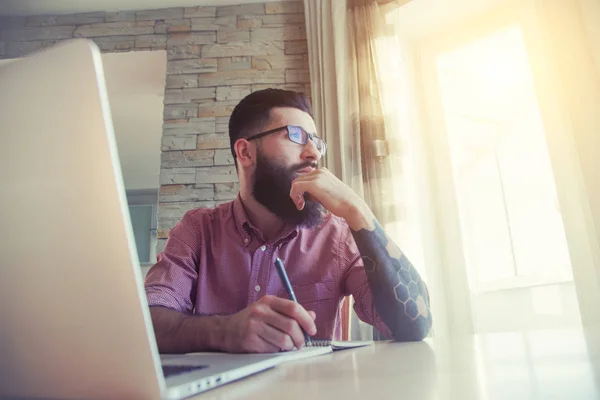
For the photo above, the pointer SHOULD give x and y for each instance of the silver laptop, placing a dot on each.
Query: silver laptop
(74, 321)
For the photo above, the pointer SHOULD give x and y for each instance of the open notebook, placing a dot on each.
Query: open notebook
(319, 347)
(339, 344)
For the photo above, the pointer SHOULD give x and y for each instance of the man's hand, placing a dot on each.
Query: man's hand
(324, 187)
(269, 325)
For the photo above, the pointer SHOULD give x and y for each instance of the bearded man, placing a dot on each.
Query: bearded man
(215, 287)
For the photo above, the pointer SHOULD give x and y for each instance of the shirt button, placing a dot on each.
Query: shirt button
(246, 240)
(263, 248)
(257, 288)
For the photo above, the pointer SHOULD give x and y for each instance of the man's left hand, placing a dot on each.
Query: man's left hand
(324, 187)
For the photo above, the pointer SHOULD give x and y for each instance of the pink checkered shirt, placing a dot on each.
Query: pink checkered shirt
(216, 263)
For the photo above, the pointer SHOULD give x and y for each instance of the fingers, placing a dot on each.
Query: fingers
(255, 340)
(264, 346)
(268, 347)
(314, 173)
(290, 334)
(259, 336)
(315, 184)
(279, 338)
(298, 190)
(262, 342)
(295, 311)
(278, 323)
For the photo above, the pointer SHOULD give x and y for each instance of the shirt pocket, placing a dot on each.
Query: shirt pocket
(314, 292)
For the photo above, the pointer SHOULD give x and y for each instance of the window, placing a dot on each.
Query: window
(142, 210)
(512, 229)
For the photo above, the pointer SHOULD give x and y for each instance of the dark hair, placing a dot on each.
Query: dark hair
(255, 110)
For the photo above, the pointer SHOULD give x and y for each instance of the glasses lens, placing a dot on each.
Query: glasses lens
(297, 134)
(300, 136)
(321, 145)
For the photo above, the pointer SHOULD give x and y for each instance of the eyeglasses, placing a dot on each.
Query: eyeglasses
(297, 135)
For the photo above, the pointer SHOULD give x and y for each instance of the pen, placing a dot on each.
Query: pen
(288, 288)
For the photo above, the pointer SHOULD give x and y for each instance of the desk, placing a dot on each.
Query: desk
(552, 364)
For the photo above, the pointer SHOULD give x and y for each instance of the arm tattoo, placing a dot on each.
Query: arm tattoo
(400, 296)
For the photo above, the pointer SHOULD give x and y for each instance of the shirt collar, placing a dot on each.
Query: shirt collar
(245, 227)
(241, 219)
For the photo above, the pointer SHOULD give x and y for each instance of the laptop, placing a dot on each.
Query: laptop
(74, 319)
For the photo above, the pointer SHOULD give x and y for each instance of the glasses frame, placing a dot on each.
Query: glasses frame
(311, 136)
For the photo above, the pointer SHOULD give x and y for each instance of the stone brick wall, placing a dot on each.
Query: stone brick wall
(216, 56)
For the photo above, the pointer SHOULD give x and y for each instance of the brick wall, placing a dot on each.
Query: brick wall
(216, 56)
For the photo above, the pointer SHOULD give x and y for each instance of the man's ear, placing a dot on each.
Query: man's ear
(245, 152)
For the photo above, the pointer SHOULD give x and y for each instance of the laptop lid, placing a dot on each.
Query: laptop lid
(74, 321)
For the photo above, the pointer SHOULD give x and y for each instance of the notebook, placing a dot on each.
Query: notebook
(339, 344)
(320, 347)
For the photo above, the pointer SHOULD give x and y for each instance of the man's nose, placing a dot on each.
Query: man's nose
(310, 151)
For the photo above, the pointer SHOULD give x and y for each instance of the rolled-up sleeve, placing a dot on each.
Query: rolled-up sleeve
(355, 283)
(171, 282)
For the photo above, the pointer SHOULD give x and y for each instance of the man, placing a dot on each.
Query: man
(215, 286)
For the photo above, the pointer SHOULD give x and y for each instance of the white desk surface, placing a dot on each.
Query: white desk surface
(550, 364)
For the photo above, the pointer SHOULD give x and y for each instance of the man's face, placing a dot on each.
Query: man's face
(279, 161)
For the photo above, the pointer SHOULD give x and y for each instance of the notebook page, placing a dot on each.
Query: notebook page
(339, 344)
(304, 352)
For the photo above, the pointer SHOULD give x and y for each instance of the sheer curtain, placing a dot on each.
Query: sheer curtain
(375, 104)
(330, 73)
(560, 42)
(571, 47)
(352, 53)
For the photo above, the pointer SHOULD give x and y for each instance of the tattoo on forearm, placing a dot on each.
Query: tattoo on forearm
(401, 297)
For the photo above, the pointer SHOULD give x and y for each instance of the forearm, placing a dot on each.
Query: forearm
(177, 332)
(399, 294)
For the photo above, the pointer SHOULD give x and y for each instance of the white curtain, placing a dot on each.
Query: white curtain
(571, 31)
(329, 70)
(563, 44)
(562, 40)
(353, 57)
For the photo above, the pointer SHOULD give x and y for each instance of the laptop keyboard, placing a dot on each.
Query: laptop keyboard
(172, 370)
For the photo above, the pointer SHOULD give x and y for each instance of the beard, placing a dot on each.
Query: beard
(271, 188)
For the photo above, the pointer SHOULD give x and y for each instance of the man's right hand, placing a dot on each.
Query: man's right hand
(269, 325)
